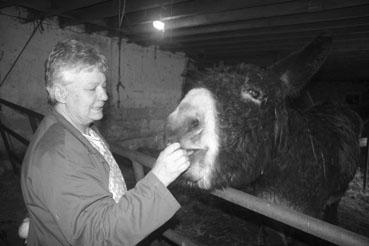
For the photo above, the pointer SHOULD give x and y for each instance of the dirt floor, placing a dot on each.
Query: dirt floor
(203, 218)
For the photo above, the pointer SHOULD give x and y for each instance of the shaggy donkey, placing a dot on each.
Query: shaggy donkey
(245, 134)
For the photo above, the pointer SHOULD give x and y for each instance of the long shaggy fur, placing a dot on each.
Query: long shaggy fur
(303, 159)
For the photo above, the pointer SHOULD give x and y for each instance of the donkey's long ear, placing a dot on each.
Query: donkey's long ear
(297, 68)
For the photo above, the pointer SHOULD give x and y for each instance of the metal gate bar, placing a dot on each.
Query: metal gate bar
(308, 224)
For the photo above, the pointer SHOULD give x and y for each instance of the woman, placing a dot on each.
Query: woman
(72, 187)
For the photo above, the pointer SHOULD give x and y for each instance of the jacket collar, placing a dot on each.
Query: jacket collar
(74, 131)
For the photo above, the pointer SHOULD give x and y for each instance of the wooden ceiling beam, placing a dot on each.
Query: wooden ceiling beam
(357, 25)
(48, 9)
(335, 26)
(193, 8)
(333, 64)
(279, 9)
(68, 5)
(272, 22)
(343, 34)
(334, 55)
(110, 8)
(36, 4)
(293, 8)
(93, 9)
(53, 6)
(347, 45)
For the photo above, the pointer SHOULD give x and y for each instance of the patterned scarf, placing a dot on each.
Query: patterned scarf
(117, 186)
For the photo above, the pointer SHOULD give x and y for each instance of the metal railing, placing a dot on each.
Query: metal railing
(8, 133)
(308, 224)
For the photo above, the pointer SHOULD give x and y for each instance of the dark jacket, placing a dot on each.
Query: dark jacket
(64, 182)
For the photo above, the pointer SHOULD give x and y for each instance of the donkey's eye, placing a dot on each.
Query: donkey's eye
(254, 93)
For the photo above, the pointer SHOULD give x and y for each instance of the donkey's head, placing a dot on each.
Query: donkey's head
(232, 117)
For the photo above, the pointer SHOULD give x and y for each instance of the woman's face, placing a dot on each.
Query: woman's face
(86, 95)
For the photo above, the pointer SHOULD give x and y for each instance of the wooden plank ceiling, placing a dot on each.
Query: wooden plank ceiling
(209, 31)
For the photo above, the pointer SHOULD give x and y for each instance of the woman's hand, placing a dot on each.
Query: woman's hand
(171, 162)
(24, 228)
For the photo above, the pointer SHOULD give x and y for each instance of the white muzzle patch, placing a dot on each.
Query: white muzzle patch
(199, 104)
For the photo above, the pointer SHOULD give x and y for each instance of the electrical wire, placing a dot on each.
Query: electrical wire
(38, 26)
(121, 13)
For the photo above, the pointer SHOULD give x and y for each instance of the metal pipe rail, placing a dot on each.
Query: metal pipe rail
(34, 119)
(21, 109)
(308, 224)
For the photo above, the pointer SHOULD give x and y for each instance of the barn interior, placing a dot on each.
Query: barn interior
(147, 67)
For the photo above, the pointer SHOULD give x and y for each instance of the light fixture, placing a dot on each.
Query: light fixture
(159, 25)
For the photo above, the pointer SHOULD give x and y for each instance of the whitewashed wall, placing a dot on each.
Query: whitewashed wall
(151, 79)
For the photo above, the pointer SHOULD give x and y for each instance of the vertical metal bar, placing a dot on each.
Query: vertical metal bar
(4, 135)
(366, 164)
(365, 145)
(34, 123)
(138, 170)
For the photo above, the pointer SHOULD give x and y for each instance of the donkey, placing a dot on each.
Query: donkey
(243, 132)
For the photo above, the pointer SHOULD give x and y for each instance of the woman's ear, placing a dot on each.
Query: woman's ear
(60, 93)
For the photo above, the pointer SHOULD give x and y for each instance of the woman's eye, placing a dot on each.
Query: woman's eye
(91, 89)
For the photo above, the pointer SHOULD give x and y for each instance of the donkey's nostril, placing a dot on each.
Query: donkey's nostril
(169, 137)
(194, 123)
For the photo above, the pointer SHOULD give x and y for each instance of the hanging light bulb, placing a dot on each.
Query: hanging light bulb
(159, 25)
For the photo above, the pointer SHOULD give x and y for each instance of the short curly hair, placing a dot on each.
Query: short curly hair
(70, 55)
